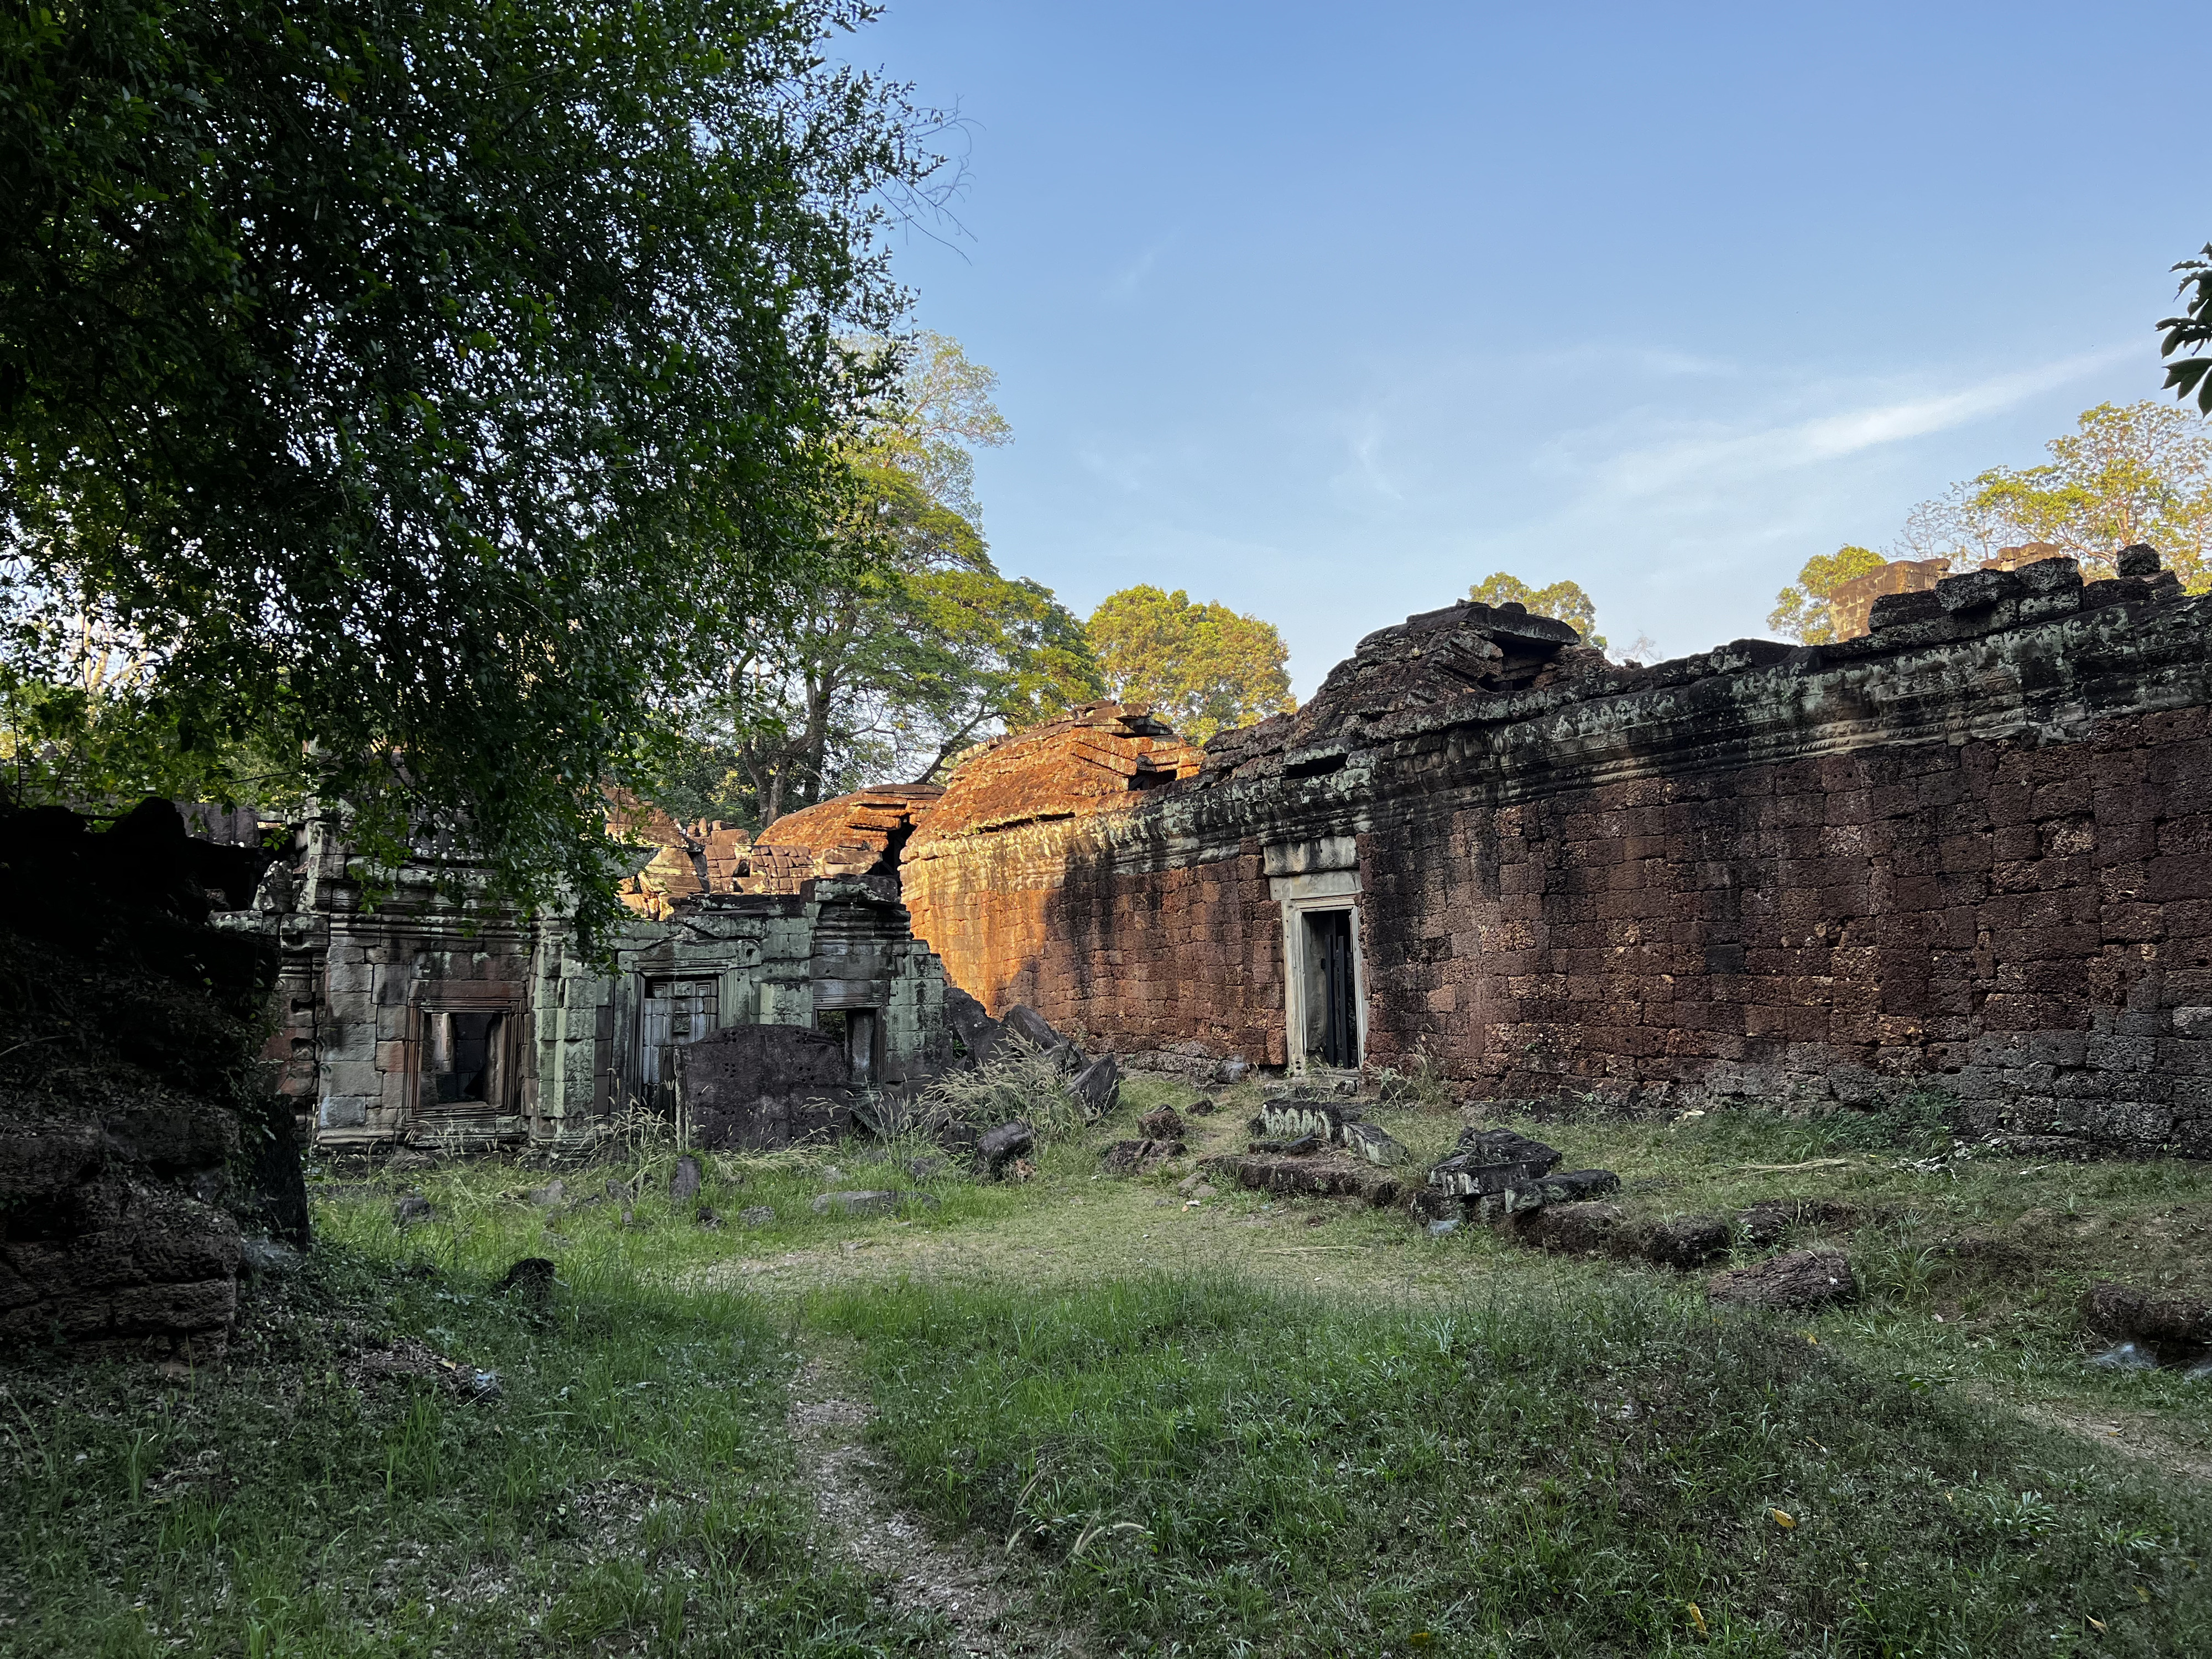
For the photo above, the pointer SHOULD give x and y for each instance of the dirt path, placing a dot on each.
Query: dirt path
(828, 1422)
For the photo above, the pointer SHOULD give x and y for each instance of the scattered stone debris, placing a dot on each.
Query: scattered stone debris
(756, 1215)
(1204, 1106)
(2175, 1329)
(1317, 1174)
(531, 1277)
(1098, 1086)
(412, 1208)
(1131, 1157)
(1801, 1279)
(686, 1180)
(551, 1195)
(1002, 1145)
(1374, 1143)
(1164, 1123)
(1763, 1223)
(1487, 1163)
(709, 1217)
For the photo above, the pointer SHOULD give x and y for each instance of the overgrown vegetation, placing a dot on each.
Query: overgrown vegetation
(628, 1488)
(1197, 1466)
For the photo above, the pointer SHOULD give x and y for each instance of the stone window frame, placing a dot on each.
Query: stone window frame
(1300, 897)
(504, 998)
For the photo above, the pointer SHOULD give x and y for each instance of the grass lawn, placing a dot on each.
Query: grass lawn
(1240, 1426)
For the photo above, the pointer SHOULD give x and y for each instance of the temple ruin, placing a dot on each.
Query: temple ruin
(1965, 852)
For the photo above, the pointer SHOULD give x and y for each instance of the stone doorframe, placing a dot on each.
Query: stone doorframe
(506, 998)
(1305, 879)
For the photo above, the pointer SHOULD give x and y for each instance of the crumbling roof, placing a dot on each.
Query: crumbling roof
(857, 835)
(1462, 651)
(1094, 760)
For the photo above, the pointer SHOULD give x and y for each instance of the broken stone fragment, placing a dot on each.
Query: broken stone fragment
(999, 1146)
(1686, 1242)
(1098, 1086)
(1203, 1106)
(978, 1032)
(756, 1215)
(1803, 1279)
(412, 1207)
(1763, 1224)
(1302, 1146)
(1577, 1186)
(1373, 1143)
(1331, 1176)
(1289, 1117)
(1164, 1124)
(549, 1196)
(2164, 1322)
(1232, 1071)
(1577, 1229)
(1032, 1028)
(1493, 1161)
(686, 1180)
(531, 1279)
(1137, 1157)
(709, 1218)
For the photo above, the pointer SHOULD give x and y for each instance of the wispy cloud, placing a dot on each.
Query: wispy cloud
(1722, 456)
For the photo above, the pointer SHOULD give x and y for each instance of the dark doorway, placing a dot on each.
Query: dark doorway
(676, 1011)
(463, 1078)
(854, 1030)
(1332, 1008)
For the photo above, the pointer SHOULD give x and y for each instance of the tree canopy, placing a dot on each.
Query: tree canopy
(1204, 668)
(2128, 473)
(1563, 601)
(2191, 333)
(410, 392)
(902, 644)
(1801, 611)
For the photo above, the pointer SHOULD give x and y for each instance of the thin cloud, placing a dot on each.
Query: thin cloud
(1830, 437)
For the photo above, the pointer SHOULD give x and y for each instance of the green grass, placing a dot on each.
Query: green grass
(1205, 1466)
(629, 1491)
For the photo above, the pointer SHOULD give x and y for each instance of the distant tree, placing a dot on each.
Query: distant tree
(415, 388)
(1801, 611)
(2191, 332)
(1205, 668)
(1563, 601)
(902, 644)
(2137, 472)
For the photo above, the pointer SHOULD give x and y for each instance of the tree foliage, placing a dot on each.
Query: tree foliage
(902, 644)
(1205, 668)
(2190, 333)
(1801, 611)
(1563, 601)
(415, 388)
(2137, 472)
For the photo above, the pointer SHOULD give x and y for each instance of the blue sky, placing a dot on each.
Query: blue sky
(1326, 311)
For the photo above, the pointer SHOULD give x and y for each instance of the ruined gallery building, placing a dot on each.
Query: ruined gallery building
(1970, 851)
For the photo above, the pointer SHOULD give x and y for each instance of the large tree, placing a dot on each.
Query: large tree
(417, 388)
(2136, 472)
(1801, 610)
(1204, 668)
(1562, 601)
(902, 643)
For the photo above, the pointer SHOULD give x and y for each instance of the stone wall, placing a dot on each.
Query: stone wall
(1967, 851)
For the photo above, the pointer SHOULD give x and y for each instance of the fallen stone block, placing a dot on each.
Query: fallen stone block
(759, 1087)
(686, 1180)
(1763, 1224)
(1332, 1175)
(1098, 1086)
(1492, 1161)
(550, 1196)
(531, 1279)
(756, 1215)
(412, 1208)
(1303, 1146)
(1578, 1228)
(1233, 1070)
(1292, 1116)
(978, 1033)
(1577, 1186)
(1164, 1124)
(1801, 1278)
(1137, 1157)
(999, 1146)
(2122, 1312)
(1686, 1242)
(1204, 1106)
(1373, 1143)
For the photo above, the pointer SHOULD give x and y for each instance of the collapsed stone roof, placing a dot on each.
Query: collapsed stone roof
(1094, 760)
(862, 834)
